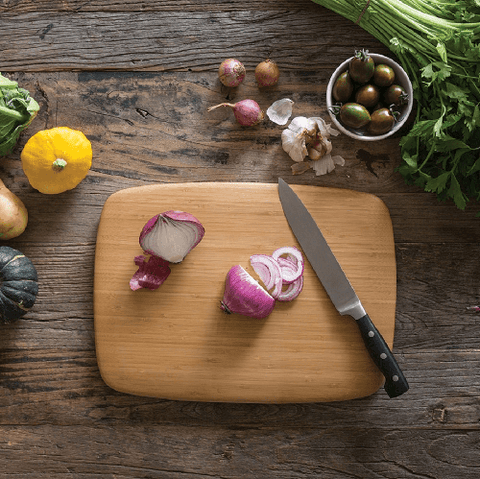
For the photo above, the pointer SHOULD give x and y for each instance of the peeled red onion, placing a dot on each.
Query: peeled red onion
(171, 235)
(231, 72)
(267, 73)
(243, 295)
(247, 112)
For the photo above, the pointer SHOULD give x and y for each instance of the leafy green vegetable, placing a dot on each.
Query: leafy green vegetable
(438, 44)
(17, 110)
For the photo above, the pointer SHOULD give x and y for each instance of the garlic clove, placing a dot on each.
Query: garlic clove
(171, 235)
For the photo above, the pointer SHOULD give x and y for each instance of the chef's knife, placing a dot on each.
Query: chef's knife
(338, 286)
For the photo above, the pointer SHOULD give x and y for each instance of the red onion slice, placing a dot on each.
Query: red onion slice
(151, 273)
(292, 291)
(269, 272)
(290, 275)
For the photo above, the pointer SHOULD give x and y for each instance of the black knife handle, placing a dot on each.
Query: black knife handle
(395, 382)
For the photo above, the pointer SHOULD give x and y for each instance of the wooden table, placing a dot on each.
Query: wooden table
(137, 79)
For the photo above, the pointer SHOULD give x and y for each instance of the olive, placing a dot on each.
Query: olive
(343, 87)
(354, 115)
(361, 67)
(395, 95)
(382, 122)
(384, 75)
(367, 95)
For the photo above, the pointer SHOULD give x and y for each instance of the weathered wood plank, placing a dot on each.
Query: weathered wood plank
(173, 451)
(183, 39)
(62, 386)
(154, 127)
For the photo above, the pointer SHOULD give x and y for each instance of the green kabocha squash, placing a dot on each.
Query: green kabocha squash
(18, 284)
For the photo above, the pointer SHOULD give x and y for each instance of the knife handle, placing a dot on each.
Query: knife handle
(395, 382)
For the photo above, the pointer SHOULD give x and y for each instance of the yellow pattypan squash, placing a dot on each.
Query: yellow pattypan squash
(56, 160)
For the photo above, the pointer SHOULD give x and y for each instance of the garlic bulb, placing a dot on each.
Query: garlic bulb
(307, 142)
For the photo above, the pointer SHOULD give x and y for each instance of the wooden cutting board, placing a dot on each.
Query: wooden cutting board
(176, 343)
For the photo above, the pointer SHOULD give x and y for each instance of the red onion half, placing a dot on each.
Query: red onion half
(247, 112)
(171, 235)
(243, 295)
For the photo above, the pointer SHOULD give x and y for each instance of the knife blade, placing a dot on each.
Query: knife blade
(338, 286)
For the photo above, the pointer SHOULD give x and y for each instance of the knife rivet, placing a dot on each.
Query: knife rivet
(371, 334)
(383, 356)
(395, 378)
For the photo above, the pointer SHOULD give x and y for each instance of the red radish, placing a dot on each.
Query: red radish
(267, 73)
(247, 112)
(231, 72)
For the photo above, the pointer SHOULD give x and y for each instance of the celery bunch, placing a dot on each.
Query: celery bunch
(438, 44)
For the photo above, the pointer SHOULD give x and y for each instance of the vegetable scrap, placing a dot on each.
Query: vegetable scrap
(151, 273)
(280, 111)
(307, 141)
(17, 111)
(438, 44)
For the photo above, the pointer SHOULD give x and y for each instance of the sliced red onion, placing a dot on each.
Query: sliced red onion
(151, 273)
(289, 275)
(292, 290)
(243, 295)
(269, 272)
(171, 235)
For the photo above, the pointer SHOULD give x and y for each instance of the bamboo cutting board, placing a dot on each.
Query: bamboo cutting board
(176, 343)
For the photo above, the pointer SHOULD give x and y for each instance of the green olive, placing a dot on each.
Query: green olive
(367, 95)
(362, 67)
(343, 87)
(354, 115)
(395, 95)
(384, 75)
(382, 122)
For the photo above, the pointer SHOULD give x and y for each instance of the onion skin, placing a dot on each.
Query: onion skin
(247, 112)
(151, 273)
(243, 295)
(231, 72)
(267, 73)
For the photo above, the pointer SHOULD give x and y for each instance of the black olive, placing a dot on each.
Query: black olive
(382, 122)
(367, 95)
(354, 115)
(395, 95)
(361, 67)
(343, 87)
(384, 75)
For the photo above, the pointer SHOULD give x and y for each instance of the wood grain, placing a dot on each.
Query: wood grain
(82, 60)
